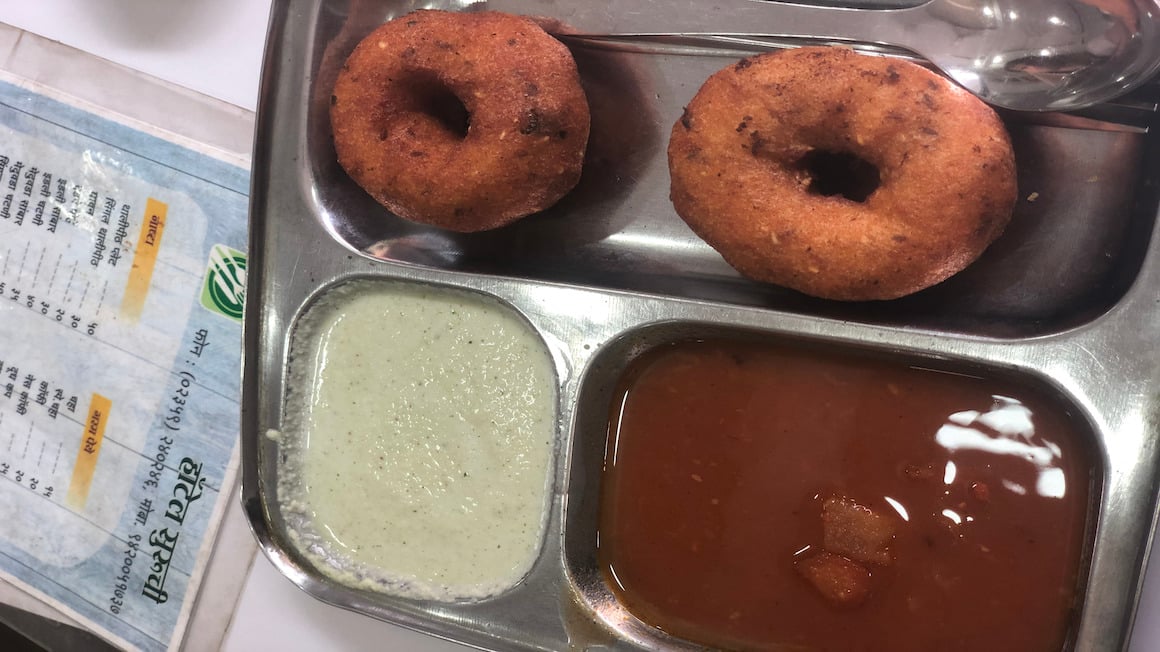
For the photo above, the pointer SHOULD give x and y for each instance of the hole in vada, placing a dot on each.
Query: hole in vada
(839, 173)
(434, 99)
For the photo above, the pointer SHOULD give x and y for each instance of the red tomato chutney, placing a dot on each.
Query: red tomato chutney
(766, 498)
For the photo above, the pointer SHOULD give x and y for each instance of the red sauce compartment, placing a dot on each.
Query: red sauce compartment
(759, 494)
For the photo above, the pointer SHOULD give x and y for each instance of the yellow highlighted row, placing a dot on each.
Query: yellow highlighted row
(144, 258)
(94, 434)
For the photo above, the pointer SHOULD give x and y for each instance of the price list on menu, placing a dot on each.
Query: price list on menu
(121, 289)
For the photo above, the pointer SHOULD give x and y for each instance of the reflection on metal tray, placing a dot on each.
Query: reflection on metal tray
(1066, 299)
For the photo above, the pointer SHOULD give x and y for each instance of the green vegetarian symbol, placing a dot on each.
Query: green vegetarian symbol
(224, 291)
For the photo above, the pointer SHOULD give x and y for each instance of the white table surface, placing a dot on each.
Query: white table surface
(215, 47)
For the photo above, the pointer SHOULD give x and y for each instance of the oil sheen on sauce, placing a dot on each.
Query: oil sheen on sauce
(759, 497)
(420, 429)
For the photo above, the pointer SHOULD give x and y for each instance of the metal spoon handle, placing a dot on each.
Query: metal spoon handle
(1021, 54)
(725, 17)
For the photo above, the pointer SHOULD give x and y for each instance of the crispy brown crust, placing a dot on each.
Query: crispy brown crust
(528, 118)
(944, 159)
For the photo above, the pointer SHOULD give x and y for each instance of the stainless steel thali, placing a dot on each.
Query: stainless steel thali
(1068, 299)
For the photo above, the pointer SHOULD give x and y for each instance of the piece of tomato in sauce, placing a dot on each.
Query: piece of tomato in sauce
(772, 498)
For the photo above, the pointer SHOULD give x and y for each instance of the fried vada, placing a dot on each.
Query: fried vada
(465, 121)
(840, 175)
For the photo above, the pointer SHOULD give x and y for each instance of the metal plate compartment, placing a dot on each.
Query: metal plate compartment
(1067, 298)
